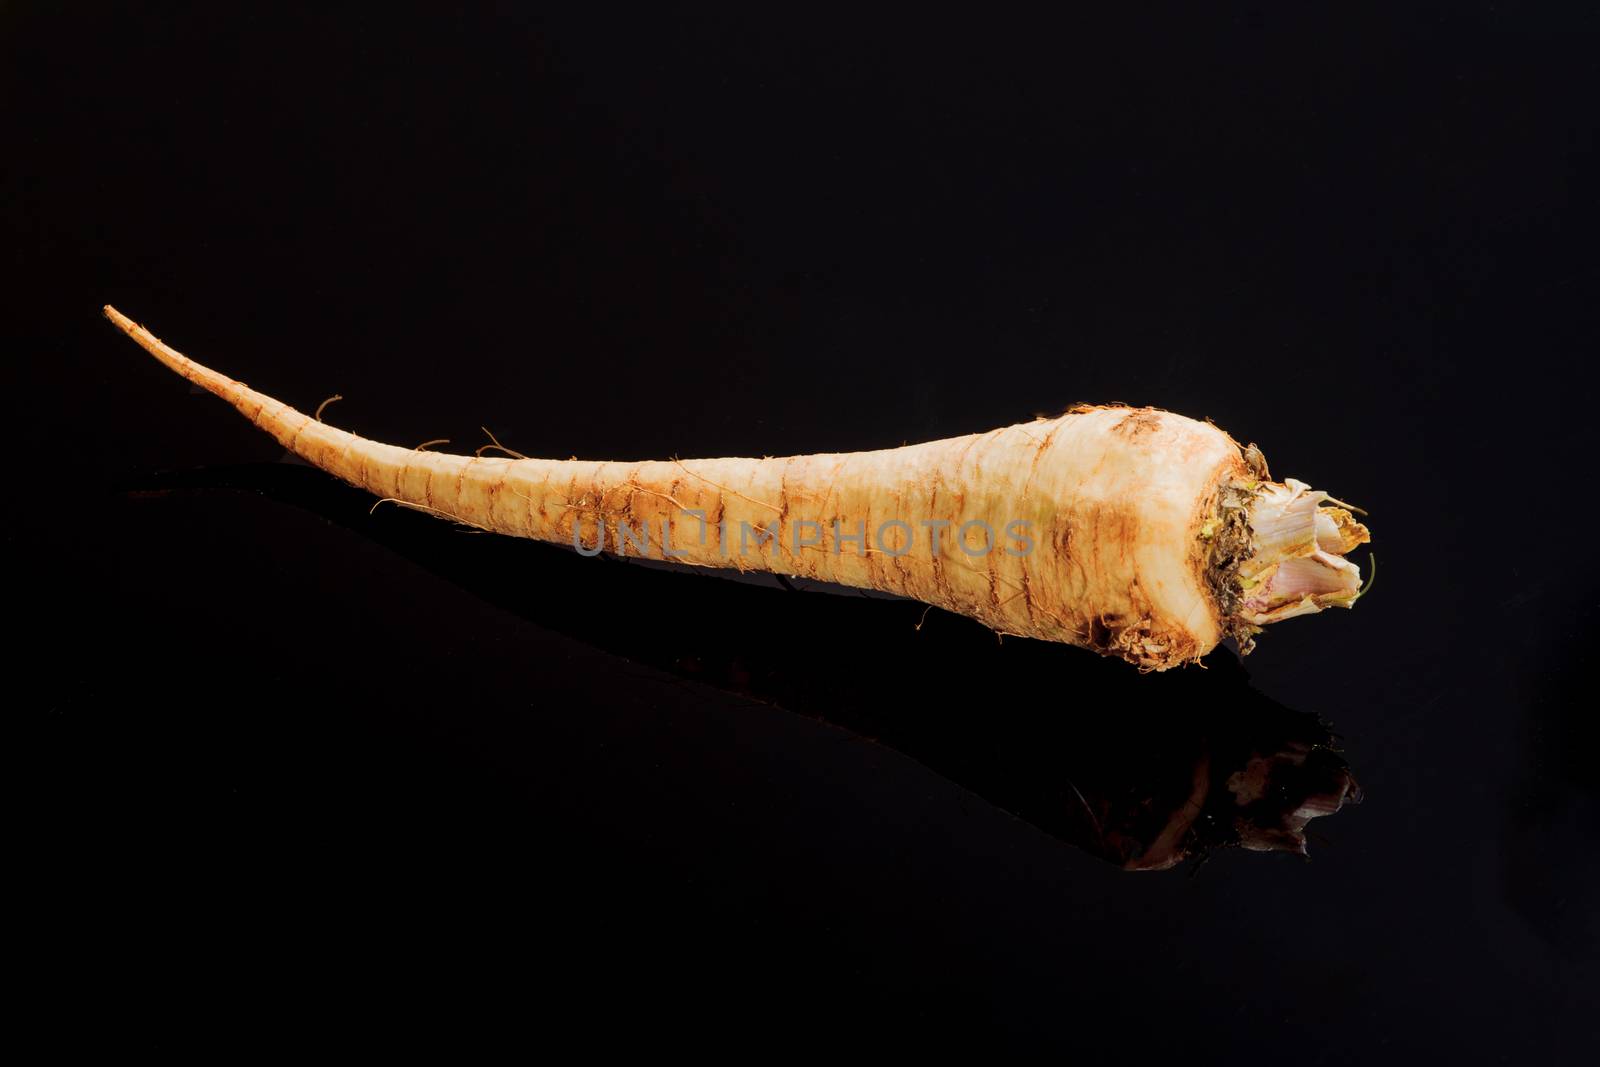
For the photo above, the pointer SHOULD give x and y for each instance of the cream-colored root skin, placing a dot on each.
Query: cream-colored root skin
(1115, 503)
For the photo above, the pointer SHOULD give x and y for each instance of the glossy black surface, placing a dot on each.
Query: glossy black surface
(292, 769)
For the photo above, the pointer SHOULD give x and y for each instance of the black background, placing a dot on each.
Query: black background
(295, 772)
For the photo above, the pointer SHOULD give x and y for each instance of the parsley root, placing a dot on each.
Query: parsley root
(1130, 531)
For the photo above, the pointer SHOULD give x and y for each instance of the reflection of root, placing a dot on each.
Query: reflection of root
(439, 512)
(1176, 840)
(1277, 793)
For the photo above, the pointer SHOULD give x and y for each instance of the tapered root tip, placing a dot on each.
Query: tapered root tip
(202, 376)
